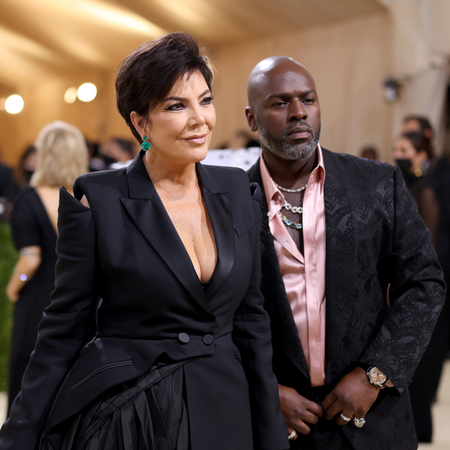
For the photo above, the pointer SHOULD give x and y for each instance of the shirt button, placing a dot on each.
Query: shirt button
(208, 339)
(184, 338)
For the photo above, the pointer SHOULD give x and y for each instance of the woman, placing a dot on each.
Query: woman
(26, 167)
(61, 158)
(182, 357)
(412, 151)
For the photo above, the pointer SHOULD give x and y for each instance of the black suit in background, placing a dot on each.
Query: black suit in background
(374, 238)
(126, 250)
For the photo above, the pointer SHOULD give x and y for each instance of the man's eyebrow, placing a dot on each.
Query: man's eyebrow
(181, 99)
(285, 94)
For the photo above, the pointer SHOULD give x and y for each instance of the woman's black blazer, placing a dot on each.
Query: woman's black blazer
(126, 251)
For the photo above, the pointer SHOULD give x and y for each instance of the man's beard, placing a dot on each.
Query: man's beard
(282, 148)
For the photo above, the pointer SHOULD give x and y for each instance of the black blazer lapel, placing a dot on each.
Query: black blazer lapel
(341, 263)
(149, 215)
(219, 210)
(284, 331)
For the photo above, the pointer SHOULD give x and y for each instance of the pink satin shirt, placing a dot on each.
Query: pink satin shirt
(303, 275)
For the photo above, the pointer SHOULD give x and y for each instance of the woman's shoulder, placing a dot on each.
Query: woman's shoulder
(25, 194)
(25, 201)
(98, 181)
(24, 205)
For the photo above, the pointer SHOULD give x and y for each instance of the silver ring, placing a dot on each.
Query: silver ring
(347, 419)
(293, 434)
(359, 422)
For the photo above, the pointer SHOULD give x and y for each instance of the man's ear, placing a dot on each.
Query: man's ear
(251, 120)
(138, 122)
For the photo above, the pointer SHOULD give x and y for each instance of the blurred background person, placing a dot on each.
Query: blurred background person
(413, 152)
(61, 157)
(369, 152)
(8, 190)
(240, 139)
(436, 169)
(119, 152)
(25, 168)
(418, 124)
(96, 161)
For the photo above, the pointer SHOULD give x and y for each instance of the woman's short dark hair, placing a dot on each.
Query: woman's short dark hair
(420, 142)
(147, 75)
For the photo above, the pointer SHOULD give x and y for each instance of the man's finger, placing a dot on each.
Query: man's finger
(344, 418)
(335, 408)
(328, 400)
(292, 434)
(316, 409)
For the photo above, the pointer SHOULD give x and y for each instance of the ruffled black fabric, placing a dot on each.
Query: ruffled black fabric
(147, 414)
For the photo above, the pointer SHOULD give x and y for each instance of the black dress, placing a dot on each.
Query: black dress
(30, 226)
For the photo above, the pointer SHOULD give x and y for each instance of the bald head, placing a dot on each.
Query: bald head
(283, 108)
(264, 73)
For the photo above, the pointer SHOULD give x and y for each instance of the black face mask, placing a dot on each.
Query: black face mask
(405, 166)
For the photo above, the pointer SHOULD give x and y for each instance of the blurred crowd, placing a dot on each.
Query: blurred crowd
(113, 154)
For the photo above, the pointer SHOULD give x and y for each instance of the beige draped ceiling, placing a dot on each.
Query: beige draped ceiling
(47, 46)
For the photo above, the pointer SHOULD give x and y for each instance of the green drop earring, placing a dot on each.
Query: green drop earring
(145, 144)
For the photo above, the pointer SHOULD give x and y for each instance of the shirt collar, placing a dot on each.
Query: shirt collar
(273, 195)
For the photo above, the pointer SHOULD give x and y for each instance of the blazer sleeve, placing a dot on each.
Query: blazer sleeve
(251, 333)
(416, 293)
(64, 327)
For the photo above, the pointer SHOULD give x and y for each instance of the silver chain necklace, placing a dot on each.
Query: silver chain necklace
(291, 190)
(294, 209)
(289, 207)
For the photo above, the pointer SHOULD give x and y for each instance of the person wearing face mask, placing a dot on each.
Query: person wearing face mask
(413, 152)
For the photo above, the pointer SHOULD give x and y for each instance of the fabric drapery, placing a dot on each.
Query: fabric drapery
(147, 414)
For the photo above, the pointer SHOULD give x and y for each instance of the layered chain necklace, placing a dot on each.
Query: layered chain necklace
(288, 207)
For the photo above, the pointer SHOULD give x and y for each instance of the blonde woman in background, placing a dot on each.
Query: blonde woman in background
(61, 157)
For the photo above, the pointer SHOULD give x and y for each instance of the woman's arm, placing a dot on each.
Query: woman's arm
(26, 266)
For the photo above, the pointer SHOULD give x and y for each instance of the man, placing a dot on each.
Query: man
(418, 124)
(339, 232)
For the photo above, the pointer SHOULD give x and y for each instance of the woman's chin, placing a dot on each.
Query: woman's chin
(199, 154)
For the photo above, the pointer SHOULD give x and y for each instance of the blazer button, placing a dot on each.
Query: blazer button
(208, 339)
(184, 338)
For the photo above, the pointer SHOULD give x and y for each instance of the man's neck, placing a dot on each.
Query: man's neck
(287, 173)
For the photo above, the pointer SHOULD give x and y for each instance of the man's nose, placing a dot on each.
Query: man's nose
(297, 110)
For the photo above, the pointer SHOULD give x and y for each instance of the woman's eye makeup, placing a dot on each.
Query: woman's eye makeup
(179, 105)
(175, 107)
(207, 101)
